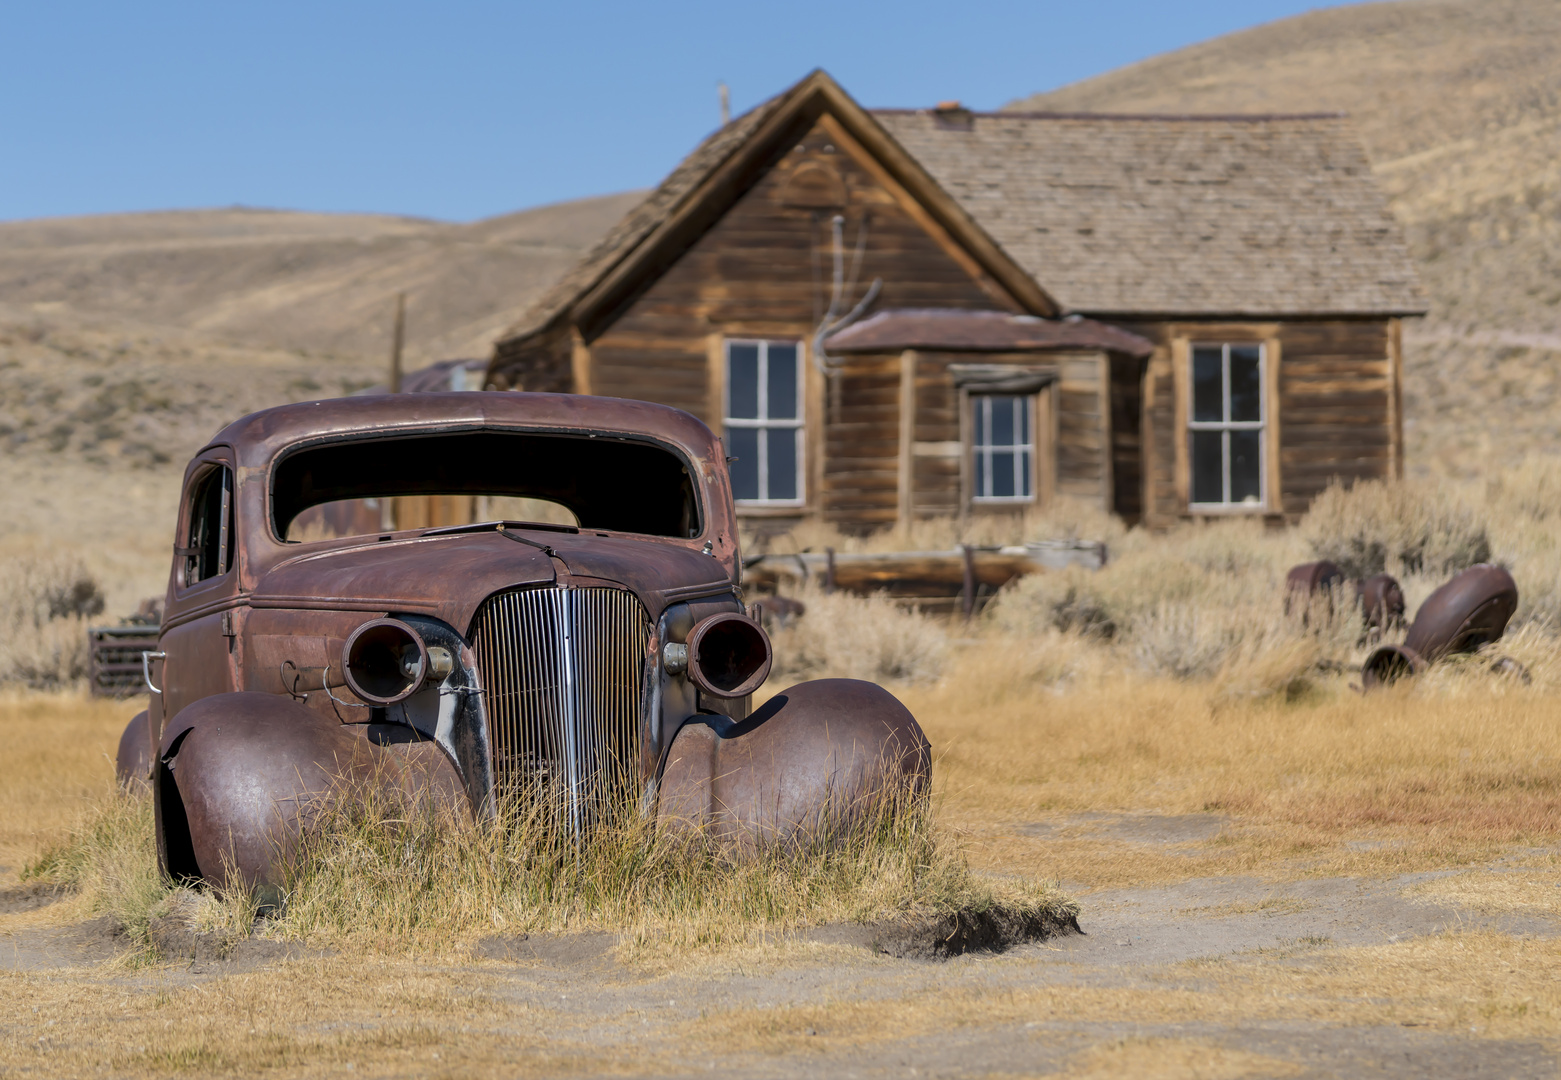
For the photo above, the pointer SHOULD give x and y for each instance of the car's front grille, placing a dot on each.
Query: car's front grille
(563, 670)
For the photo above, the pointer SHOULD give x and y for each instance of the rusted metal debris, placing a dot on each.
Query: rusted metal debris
(609, 662)
(1381, 602)
(962, 578)
(1309, 581)
(1471, 610)
(1379, 598)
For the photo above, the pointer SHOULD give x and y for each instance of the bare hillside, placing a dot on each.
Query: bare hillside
(1459, 104)
(277, 279)
(127, 340)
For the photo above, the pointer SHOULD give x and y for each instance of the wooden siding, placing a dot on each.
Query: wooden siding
(937, 474)
(764, 270)
(1127, 442)
(1083, 430)
(861, 472)
(1335, 407)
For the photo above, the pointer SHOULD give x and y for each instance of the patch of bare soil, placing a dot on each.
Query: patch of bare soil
(85, 944)
(176, 942)
(563, 950)
(29, 896)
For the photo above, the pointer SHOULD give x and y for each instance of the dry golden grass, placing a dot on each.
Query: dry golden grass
(59, 761)
(1054, 737)
(1428, 777)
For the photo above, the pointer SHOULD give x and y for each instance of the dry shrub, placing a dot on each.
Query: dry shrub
(47, 599)
(1399, 527)
(1523, 505)
(855, 637)
(1201, 601)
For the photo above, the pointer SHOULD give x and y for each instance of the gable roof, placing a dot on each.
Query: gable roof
(1175, 215)
(717, 173)
(1109, 215)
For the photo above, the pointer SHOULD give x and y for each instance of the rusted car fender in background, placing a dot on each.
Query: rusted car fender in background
(1471, 610)
(803, 766)
(239, 776)
(133, 763)
(1381, 600)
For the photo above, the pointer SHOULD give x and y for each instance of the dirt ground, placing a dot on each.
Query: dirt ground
(1447, 972)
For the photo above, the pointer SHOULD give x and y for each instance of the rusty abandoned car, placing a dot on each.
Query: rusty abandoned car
(471, 595)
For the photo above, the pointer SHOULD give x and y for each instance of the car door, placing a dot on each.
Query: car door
(199, 630)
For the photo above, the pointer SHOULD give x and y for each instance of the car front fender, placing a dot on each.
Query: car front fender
(239, 777)
(804, 767)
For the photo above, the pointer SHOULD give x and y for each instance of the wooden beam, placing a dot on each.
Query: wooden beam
(1274, 481)
(814, 425)
(907, 436)
(580, 363)
(715, 383)
(1396, 400)
(1182, 383)
(1108, 469)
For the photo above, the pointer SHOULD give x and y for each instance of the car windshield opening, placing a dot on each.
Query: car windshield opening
(388, 484)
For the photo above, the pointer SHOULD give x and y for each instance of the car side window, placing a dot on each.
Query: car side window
(208, 549)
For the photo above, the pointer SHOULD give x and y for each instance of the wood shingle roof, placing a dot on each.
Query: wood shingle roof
(1105, 215)
(1150, 215)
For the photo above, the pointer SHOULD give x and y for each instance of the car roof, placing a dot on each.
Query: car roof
(259, 437)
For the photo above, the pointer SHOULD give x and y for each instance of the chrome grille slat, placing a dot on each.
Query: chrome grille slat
(564, 670)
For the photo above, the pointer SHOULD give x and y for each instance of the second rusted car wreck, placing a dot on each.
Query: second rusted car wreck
(579, 631)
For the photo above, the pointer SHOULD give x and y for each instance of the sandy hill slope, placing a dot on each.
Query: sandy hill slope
(1459, 105)
(317, 282)
(126, 340)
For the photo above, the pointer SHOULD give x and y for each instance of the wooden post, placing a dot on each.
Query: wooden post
(829, 570)
(967, 595)
(1396, 398)
(397, 340)
(907, 437)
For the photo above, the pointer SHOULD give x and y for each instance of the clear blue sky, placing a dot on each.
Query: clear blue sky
(467, 108)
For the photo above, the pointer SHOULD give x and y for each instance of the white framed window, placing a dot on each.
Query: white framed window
(1002, 448)
(1226, 444)
(764, 421)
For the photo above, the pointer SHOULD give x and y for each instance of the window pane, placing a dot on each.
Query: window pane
(783, 382)
(742, 383)
(978, 424)
(1208, 389)
(979, 475)
(783, 463)
(1245, 474)
(743, 444)
(1002, 473)
(1245, 386)
(1003, 420)
(1208, 470)
(1025, 471)
(1022, 411)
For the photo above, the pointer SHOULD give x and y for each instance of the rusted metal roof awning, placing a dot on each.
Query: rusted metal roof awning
(957, 330)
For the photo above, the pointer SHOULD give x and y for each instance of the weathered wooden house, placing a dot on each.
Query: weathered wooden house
(902, 313)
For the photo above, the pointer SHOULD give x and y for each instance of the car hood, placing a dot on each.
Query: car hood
(449, 575)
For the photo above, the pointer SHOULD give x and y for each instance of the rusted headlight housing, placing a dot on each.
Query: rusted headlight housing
(729, 655)
(385, 661)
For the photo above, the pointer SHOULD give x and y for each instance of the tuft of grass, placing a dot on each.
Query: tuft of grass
(108, 859)
(385, 871)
